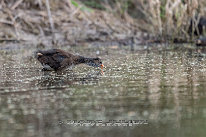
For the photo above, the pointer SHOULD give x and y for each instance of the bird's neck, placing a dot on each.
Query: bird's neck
(81, 59)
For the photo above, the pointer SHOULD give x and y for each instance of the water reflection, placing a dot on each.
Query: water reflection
(66, 78)
(164, 86)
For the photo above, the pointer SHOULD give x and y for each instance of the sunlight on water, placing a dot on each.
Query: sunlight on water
(165, 87)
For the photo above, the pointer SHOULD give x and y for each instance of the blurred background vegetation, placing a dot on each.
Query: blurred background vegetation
(162, 20)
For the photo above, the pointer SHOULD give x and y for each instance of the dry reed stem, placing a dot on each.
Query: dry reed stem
(16, 4)
(169, 18)
(50, 16)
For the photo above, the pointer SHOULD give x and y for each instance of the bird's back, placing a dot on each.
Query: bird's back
(54, 58)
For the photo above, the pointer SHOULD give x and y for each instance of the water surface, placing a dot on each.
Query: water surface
(165, 87)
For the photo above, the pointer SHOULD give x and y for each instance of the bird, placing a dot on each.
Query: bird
(57, 59)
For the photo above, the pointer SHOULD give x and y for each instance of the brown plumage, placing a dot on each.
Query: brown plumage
(56, 59)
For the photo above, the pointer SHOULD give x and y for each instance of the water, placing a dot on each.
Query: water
(164, 87)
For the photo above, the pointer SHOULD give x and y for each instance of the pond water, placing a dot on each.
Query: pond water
(163, 88)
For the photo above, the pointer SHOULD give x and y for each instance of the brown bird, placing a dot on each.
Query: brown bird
(56, 59)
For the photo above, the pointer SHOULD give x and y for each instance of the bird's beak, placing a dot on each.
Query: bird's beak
(39, 54)
(102, 66)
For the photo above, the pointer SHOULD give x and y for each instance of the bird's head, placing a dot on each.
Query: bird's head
(95, 62)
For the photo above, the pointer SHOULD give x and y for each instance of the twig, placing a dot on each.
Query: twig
(50, 20)
(6, 22)
(8, 39)
(40, 4)
(2, 4)
(16, 4)
(49, 15)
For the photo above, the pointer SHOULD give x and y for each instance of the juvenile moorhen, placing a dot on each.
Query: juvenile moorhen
(56, 59)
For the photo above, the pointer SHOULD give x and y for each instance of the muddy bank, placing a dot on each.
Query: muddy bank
(45, 23)
(61, 23)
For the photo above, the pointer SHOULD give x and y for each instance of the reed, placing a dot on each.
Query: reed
(165, 19)
(162, 19)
